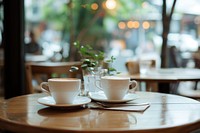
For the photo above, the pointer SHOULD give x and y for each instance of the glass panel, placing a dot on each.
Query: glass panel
(125, 29)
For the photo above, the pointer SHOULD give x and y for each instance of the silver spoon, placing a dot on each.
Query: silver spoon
(120, 104)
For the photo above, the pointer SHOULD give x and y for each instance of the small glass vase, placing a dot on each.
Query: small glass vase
(90, 76)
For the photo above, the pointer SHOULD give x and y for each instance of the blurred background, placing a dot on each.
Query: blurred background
(126, 29)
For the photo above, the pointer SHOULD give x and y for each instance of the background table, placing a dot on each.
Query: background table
(166, 76)
(167, 113)
(36, 58)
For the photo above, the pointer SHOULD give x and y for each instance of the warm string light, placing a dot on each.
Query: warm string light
(133, 24)
(145, 25)
(136, 24)
(130, 24)
(94, 6)
(121, 25)
(110, 4)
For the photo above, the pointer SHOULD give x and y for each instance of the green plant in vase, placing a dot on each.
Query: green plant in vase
(94, 65)
(93, 60)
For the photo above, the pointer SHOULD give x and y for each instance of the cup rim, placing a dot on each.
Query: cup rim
(64, 79)
(115, 78)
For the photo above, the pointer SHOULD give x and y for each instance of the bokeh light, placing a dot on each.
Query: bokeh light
(145, 25)
(122, 25)
(111, 4)
(136, 24)
(130, 24)
(94, 6)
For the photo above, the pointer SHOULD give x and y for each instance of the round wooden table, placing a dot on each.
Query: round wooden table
(167, 114)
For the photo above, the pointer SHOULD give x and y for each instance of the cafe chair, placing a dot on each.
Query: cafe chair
(187, 89)
(133, 68)
(197, 65)
(41, 71)
(191, 89)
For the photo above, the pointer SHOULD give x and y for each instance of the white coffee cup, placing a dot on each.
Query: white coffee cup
(63, 90)
(114, 87)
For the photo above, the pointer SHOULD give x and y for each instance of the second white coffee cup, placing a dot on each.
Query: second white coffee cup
(115, 88)
(63, 90)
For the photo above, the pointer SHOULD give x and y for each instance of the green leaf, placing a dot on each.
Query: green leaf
(92, 64)
(111, 69)
(84, 66)
(89, 47)
(90, 68)
(77, 45)
(86, 61)
(73, 69)
(113, 58)
(108, 61)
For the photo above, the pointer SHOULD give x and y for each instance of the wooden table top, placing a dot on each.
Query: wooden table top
(167, 75)
(167, 113)
(36, 58)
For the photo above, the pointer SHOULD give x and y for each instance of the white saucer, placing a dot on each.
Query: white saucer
(100, 96)
(49, 101)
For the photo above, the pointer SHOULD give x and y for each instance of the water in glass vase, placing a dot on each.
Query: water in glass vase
(90, 83)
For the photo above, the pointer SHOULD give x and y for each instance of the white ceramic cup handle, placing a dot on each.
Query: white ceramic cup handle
(44, 86)
(133, 88)
(98, 85)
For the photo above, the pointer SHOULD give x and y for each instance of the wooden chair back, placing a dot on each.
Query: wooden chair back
(133, 66)
(41, 71)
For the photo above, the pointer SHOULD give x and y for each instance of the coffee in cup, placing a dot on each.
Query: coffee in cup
(114, 87)
(63, 90)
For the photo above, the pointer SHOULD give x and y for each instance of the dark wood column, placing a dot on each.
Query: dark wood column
(13, 39)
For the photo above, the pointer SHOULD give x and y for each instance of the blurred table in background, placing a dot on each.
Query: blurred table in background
(29, 58)
(166, 76)
(36, 58)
